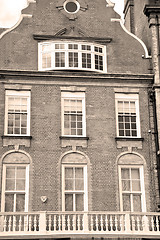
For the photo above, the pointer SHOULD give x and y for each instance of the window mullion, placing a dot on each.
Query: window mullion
(66, 56)
(92, 58)
(14, 202)
(74, 188)
(80, 56)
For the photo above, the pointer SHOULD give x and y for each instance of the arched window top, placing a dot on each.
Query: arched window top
(74, 158)
(69, 55)
(16, 158)
(130, 158)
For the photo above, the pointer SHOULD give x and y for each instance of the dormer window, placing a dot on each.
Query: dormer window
(72, 56)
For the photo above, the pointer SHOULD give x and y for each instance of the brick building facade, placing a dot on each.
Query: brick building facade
(78, 150)
(146, 17)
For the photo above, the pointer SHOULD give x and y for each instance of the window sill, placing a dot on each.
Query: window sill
(76, 141)
(135, 142)
(13, 140)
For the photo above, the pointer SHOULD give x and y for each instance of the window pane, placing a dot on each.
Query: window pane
(59, 59)
(134, 133)
(121, 133)
(23, 130)
(73, 132)
(68, 202)
(9, 202)
(68, 172)
(59, 46)
(10, 184)
(137, 203)
(135, 173)
(79, 202)
(126, 185)
(79, 172)
(69, 181)
(46, 47)
(69, 184)
(73, 59)
(10, 172)
(20, 184)
(79, 184)
(125, 173)
(46, 60)
(136, 185)
(126, 203)
(20, 202)
(21, 172)
(72, 46)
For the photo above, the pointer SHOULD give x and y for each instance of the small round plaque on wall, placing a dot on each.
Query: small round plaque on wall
(71, 6)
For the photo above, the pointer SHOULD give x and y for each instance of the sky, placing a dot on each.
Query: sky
(10, 11)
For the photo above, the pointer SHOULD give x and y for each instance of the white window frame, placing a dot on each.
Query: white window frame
(142, 185)
(129, 97)
(66, 50)
(21, 93)
(85, 191)
(79, 96)
(26, 192)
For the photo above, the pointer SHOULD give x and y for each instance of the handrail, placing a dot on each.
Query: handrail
(87, 222)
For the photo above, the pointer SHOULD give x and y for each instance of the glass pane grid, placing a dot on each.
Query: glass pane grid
(130, 178)
(72, 46)
(127, 119)
(74, 196)
(15, 178)
(72, 55)
(86, 47)
(59, 46)
(60, 59)
(98, 62)
(76, 177)
(86, 60)
(73, 59)
(73, 124)
(131, 189)
(17, 115)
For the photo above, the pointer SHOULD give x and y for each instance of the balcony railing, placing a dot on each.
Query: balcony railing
(80, 223)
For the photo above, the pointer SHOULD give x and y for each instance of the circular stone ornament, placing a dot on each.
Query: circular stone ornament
(71, 6)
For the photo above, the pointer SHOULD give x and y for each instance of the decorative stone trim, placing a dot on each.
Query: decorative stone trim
(146, 55)
(110, 4)
(126, 90)
(73, 89)
(74, 142)
(129, 142)
(16, 141)
(17, 87)
(72, 16)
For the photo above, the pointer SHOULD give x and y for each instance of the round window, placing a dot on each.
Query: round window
(71, 6)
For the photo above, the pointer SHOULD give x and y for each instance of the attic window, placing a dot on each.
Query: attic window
(71, 6)
(72, 56)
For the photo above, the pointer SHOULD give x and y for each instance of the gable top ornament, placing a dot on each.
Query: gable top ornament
(109, 3)
(71, 8)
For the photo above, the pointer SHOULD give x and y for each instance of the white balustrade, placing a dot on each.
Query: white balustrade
(80, 222)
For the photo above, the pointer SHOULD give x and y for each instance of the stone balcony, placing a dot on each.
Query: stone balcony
(79, 224)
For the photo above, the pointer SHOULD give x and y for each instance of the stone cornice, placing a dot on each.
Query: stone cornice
(51, 75)
(151, 9)
(53, 37)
